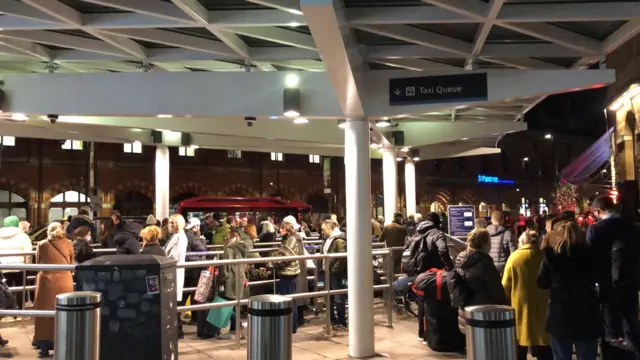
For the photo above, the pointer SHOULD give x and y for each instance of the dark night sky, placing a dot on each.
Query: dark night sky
(578, 113)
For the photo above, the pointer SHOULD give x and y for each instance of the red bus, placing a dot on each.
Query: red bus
(250, 208)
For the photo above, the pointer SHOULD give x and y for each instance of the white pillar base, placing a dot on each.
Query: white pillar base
(359, 247)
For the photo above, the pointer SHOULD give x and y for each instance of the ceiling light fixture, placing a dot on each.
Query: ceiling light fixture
(465, 139)
(548, 136)
(405, 149)
(383, 123)
(294, 24)
(291, 113)
(292, 80)
(19, 117)
(136, 130)
(300, 120)
(525, 159)
(294, 11)
(416, 159)
(164, 116)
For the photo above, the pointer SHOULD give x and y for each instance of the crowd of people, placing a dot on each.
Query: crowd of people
(569, 288)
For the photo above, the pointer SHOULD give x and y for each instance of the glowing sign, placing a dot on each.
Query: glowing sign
(483, 179)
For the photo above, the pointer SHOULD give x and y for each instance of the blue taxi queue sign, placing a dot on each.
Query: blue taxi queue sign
(461, 219)
(438, 89)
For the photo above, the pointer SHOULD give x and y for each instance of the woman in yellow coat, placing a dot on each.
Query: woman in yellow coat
(528, 300)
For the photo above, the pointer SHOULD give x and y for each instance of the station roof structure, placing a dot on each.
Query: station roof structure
(119, 63)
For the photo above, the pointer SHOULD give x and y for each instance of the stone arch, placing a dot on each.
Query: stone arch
(286, 192)
(238, 190)
(20, 188)
(312, 191)
(465, 198)
(189, 188)
(64, 186)
(142, 187)
(443, 196)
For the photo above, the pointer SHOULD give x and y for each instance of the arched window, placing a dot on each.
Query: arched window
(543, 206)
(524, 207)
(483, 210)
(505, 207)
(133, 203)
(436, 207)
(12, 204)
(66, 204)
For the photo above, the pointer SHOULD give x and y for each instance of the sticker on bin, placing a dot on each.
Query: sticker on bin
(153, 285)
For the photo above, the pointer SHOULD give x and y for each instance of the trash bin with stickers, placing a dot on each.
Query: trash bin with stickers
(138, 317)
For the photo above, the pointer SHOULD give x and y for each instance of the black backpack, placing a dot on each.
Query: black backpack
(417, 253)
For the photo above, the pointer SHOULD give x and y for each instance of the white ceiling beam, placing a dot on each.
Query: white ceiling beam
(581, 11)
(292, 6)
(121, 66)
(194, 9)
(174, 39)
(404, 15)
(310, 65)
(264, 66)
(28, 48)
(58, 10)
(280, 53)
(277, 35)
(415, 64)
(621, 36)
(235, 18)
(11, 22)
(125, 44)
(530, 50)
(231, 40)
(63, 40)
(483, 31)
(150, 7)
(522, 63)
(421, 37)
(470, 9)
(338, 50)
(20, 9)
(77, 67)
(129, 21)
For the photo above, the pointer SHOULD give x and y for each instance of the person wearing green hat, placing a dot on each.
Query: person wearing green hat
(13, 239)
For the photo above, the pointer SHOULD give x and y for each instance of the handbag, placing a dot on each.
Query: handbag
(7, 300)
(204, 285)
(220, 317)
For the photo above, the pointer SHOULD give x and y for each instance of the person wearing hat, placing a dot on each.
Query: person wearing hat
(82, 219)
(13, 239)
(151, 221)
(394, 235)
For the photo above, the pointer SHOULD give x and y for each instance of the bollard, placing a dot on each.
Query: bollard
(491, 332)
(78, 326)
(270, 328)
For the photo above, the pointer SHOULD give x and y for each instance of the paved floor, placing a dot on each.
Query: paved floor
(310, 343)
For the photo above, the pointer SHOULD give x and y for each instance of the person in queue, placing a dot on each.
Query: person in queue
(82, 250)
(126, 235)
(151, 221)
(614, 243)
(380, 220)
(302, 284)
(376, 230)
(249, 236)
(223, 230)
(151, 236)
(410, 225)
(164, 228)
(529, 301)
(229, 275)
(56, 249)
(336, 243)
(13, 239)
(503, 242)
(288, 271)
(82, 219)
(480, 224)
(25, 226)
(477, 280)
(176, 248)
(394, 235)
(207, 226)
(107, 234)
(195, 244)
(267, 232)
(574, 319)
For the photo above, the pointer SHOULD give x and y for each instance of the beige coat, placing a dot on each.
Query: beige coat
(49, 284)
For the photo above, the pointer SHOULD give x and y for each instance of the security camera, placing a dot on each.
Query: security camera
(250, 120)
(53, 118)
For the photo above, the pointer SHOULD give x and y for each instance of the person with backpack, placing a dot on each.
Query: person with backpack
(614, 245)
(503, 243)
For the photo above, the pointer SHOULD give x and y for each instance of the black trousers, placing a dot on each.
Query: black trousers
(422, 317)
(621, 315)
(16, 279)
(539, 352)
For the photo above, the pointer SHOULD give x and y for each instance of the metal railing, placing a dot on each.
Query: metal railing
(326, 293)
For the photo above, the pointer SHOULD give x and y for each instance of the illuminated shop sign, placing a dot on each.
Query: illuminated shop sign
(483, 179)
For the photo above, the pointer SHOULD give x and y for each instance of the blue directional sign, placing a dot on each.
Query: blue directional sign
(484, 179)
(438, 89)
(461, 218)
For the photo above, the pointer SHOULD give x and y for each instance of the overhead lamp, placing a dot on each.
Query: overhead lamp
(294, 24)
(548, 136)
(525, 159)
(465, 139)
(300, 120)
(404, 149)
(604, 171)
(164, 116)
(518, 190)
(136, 130)
(19, 117)
(399, 158)
(292, 80)
(415, 154)
(291, 102)
(342, 124)
(374, 145)
(383, 123)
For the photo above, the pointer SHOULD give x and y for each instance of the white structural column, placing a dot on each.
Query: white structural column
(360, 270)
(162, 182)
(390, 184)
(410, 186)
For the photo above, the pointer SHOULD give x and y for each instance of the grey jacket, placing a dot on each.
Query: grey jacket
(503, 244)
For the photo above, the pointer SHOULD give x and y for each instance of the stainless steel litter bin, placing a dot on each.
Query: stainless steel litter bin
(491, 332)
(78, 326)
(270, 328)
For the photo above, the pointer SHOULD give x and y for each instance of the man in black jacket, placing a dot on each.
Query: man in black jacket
(82, 219)
(614, 245)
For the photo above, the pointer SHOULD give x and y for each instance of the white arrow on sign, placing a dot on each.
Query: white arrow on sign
(398, 92)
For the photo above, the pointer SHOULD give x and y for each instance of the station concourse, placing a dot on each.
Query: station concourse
(397, 80)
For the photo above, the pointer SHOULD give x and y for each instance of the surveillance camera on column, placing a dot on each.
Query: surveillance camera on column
(250, 120)
(53, 118)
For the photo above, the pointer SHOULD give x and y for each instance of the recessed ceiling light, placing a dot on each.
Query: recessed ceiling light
(383, 123)
(165, 116)
(19, 117)
(548, 136)
(136, 130)
(292, 80)
(404, 149)
(291, 113)
(300, 120)
(294, 24)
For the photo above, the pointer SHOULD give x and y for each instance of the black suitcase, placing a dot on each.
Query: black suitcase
(442, 332)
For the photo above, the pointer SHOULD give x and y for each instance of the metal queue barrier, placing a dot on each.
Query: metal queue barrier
(326, 293)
